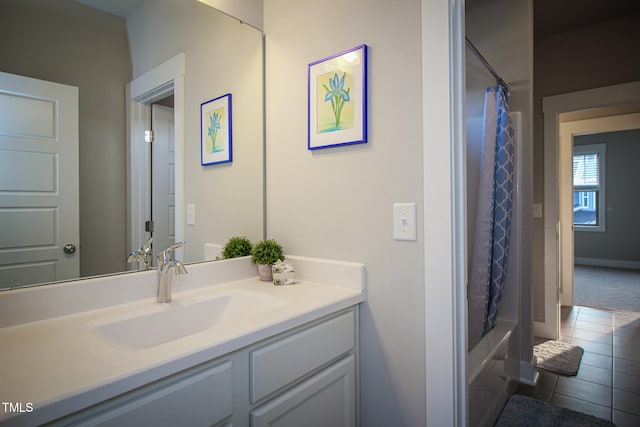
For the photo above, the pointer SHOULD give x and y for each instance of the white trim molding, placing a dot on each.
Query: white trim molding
(444, 228)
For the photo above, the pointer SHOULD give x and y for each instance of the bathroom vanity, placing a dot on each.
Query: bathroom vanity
(229, 349)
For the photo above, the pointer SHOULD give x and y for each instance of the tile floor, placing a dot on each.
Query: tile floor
(608, 382)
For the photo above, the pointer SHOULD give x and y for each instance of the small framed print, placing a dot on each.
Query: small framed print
(338, 99)
(215, 131)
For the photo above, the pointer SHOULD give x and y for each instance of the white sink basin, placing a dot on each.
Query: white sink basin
(162, 323)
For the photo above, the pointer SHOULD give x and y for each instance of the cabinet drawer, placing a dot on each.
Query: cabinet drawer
(283, 362)
(198, 397)
(326, 399)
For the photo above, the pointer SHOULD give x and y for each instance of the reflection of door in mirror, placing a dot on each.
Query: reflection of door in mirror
(38, 181)
(163, 192)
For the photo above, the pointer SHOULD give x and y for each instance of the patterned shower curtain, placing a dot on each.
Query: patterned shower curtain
(493, 220)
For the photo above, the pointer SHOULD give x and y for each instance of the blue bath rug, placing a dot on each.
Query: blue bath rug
(524, 411)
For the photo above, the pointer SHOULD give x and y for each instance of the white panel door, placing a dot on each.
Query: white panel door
(163, 192)
(38, 181)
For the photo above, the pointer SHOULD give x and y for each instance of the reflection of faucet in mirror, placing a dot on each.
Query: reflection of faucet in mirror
(167, 264)
(142, 256)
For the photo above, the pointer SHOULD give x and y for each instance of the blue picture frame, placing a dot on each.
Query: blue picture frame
(337, 99)
(216, 131)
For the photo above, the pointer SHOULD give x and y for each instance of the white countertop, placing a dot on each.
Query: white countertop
(61, 365)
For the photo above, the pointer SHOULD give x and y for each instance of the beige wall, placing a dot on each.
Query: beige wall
(586, 58)
(222, 56)
(65, 42)
(249, 11)
(337, 202)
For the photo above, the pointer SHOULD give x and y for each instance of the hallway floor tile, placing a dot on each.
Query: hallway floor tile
(608, 382)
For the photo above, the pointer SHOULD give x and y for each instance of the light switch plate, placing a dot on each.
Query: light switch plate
(537, 210)
(191, 214)
(404, 221)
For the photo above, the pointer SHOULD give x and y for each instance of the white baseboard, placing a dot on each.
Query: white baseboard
(611, 263)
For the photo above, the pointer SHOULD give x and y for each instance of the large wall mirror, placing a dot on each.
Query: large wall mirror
(100, 47)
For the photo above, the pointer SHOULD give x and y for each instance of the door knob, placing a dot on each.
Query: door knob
(69, 248)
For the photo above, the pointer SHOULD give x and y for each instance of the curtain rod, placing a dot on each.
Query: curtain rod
(493, 72)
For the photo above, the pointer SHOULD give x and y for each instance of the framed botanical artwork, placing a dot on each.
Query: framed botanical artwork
(215, 130)
(338, 99)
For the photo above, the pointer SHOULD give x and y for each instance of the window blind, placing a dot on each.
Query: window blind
(586, 171)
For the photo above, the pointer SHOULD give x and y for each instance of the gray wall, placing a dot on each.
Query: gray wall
(222, 56)
(586, 58)
(66, 42)
(337, 203)
(620, 240)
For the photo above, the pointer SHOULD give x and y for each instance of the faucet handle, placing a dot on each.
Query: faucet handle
(167, 254)
(146, 248)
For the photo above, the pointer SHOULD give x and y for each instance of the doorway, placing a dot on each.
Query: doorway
(608, 241)
(165, 80)
(571, 131)
(163, 192)
(593, 104)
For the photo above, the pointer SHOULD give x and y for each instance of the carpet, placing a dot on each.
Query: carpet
(524, 411)
(608, 288)
(557, 356)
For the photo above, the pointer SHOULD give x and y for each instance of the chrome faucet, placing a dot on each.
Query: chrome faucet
(166, 265)
(141, 256)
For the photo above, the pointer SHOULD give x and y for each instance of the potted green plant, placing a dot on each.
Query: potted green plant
(264, 254)
(237, 246)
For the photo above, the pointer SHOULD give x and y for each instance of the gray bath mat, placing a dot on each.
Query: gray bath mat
(557, 356)
(524, 411)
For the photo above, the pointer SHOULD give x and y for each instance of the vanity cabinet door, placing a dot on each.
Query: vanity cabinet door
(198, 397)
(326, 399)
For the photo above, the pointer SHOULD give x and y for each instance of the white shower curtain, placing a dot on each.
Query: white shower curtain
(493, 220)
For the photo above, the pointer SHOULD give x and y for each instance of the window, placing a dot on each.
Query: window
(588, 187)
